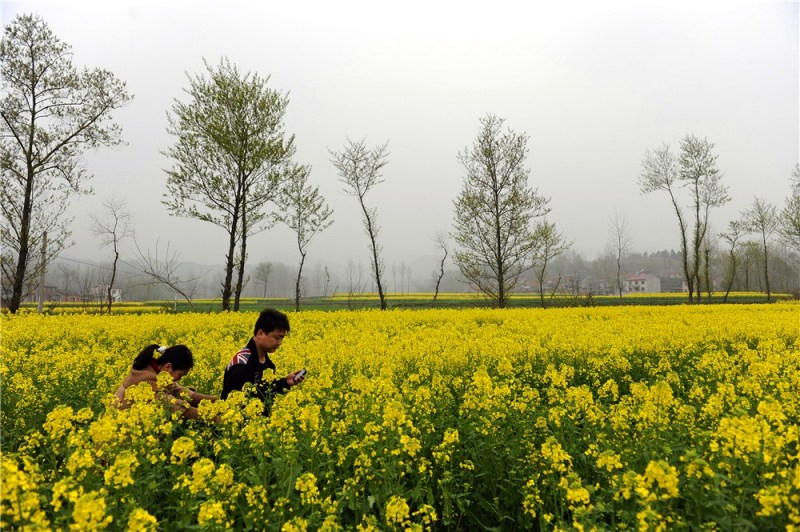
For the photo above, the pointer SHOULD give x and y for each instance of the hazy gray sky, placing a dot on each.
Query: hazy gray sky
(594, 84)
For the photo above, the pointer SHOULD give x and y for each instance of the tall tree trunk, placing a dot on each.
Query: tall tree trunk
(441, 274)
(501, 285)
(695, 267)
(731, 279)
(297, 283)
(113, 276)
(687, 274)
(375, 259)
(540, 276)
(747, 277)
(242, 250)
(684, 246)
(240, 279)
(707, 272)
(226, 286)
(376, 266)
(766, 268)
(24, 237)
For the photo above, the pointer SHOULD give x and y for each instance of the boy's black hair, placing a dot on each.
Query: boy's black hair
(271, 319)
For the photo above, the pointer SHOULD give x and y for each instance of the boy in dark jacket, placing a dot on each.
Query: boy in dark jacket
(249, 364)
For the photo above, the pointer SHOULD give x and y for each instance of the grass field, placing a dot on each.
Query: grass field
(402, 301)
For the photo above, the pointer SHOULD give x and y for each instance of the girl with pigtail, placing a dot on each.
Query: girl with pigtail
(177, 361)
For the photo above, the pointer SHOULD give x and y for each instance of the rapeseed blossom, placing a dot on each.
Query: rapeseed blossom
(649, 418)
(90, 512)
(397, 511)
(120, 474)
(212, 513)
(141, 520)
(183, 449)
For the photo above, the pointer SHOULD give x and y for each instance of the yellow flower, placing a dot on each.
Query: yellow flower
(410, 445)
(467, 465)
(397, 511)
(306, 485)
(202, 470)
(770, 500)
(183, 449)
(140, 520)
(664, 476)
(558, 459)
(90, 512)
(120, 473)
(79, 462)
(427, 514)
(164, 380)
(297, 524)
(59, 422)
(141, 392)
(609, 461)
(212, 513)
(20, 498)
(224, 475)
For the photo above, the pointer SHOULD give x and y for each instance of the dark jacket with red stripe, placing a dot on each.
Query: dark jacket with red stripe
(244, 367)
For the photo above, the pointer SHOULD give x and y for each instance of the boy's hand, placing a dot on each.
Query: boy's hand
(296, 377)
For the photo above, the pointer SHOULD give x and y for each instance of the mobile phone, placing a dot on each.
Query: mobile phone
(301, 373)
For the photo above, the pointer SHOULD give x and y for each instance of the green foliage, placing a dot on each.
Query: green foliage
(230, 157)
(495, 210)
(51, 114)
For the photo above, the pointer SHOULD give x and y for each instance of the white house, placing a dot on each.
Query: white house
(100, 293)
(642, 282)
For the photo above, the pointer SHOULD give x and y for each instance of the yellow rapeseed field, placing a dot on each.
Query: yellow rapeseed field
(646, 418)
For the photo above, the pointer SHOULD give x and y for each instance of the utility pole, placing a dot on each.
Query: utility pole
(41, 278)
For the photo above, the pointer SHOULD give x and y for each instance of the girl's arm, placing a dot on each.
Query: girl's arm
(196, 397)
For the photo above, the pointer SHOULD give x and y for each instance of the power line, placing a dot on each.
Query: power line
(98, 266)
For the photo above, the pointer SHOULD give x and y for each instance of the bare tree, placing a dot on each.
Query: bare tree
(790, 215)
(704, 181)
(262, 273)
(87, 280)
(165, 271)
(549, 245)
(360, 170)
(708, 247)
(749, 259)
(621, 240)
(51, 114)
(762, 218)
(696, 171)
(68, 274)
(442, 246)
(112, 226)
(394, 277)
(355, 282)
(326, 289)
(305, 212)
(660, 172)
(405, 276)
(736, 229)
